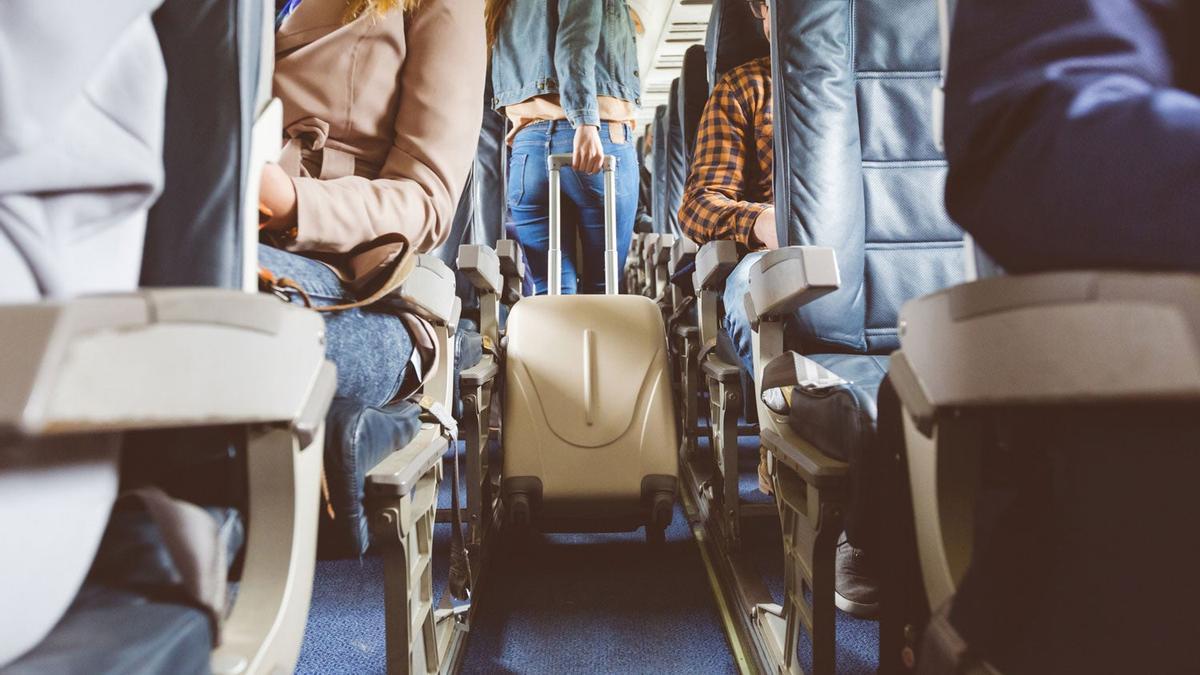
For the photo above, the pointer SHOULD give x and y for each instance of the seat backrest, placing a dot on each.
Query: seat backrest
(864, 173)
(693, 94)
(676, 163)
(479, 218)
(195, 235)
(658, 159)
(734, 37)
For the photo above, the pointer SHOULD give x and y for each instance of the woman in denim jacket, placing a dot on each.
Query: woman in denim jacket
(565, 74)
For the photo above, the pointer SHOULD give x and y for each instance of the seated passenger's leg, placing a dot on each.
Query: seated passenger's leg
(372, 350)
(737, 328)
(735, 323)
(859, 549)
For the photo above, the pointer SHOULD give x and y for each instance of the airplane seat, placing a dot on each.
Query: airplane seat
(860, 204)
(663, 171)
(659, 156)
(734, 37)
(693, 95)
(88, 378)
(479, 218)
(676, 163)
(1040, 467)
(664, 193)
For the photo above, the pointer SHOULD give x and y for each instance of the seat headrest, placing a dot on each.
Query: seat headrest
(693, 94)
(734, 37)
(194, 234)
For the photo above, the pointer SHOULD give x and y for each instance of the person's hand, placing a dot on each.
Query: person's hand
(764, 229)
(588, 155)
(277, 193)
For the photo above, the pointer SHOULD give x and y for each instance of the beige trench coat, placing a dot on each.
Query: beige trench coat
(381, 119)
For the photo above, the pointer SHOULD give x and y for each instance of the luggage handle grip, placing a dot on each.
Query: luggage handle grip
(555, 163)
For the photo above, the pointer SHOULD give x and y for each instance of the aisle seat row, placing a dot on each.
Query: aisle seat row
(207, 412)
(908, 365)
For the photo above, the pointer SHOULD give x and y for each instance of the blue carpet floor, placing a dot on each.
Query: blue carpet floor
(857, 640)
(599, 603)
(596, 603)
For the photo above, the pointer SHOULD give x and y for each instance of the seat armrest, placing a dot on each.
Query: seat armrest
(512, 263)
(429, 291)
(649, 243)
(721, 371)
(714, 262)
(479, 374)
(680, 253)
(635, 248)
(787, 278)
(1051, 338)
(662, 248)
(512, 268)
(162, 358)
(815, 467)
(481, 266)
(398, 473)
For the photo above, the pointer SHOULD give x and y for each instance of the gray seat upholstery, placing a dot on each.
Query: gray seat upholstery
(841, 421)
(865, 177)
(479, 218)
(127, 619)
(693, 95)
(734, 37)
(676, 162)
(206, 167)
(120, 632)
(130, 616)
(658, 156)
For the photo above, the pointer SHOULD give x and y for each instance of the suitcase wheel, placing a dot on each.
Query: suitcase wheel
(662, 512)
(519, 512)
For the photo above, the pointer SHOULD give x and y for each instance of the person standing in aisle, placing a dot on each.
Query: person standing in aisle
(565, 74)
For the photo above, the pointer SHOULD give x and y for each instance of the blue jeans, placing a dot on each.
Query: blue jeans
(735, 322)
(371, 349)
(582, 205)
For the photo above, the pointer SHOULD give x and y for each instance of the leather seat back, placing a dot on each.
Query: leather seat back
(658, 156)
(693, 94)
(479, 218)
(676, 162)
(194, 236)
(863, 173)
(734, 37)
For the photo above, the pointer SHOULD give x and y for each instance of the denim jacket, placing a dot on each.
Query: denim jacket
(578, 49)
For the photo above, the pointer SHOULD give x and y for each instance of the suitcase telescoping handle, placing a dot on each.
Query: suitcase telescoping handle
(554, 259)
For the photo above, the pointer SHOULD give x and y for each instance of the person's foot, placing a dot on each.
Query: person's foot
(855, 587)
(764, 475)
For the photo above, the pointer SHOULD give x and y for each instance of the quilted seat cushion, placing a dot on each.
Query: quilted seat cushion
(841, 421)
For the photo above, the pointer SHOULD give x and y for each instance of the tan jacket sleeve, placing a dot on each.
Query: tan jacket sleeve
(437, 129)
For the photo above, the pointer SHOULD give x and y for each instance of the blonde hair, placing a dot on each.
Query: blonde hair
(356, 8)
(493, 11)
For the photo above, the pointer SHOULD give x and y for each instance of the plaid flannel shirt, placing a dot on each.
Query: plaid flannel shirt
(730, 182)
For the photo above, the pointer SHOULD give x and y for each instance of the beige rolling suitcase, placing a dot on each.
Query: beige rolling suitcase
(589, 433)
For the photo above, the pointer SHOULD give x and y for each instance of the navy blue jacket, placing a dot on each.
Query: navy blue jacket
(1073, 132)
